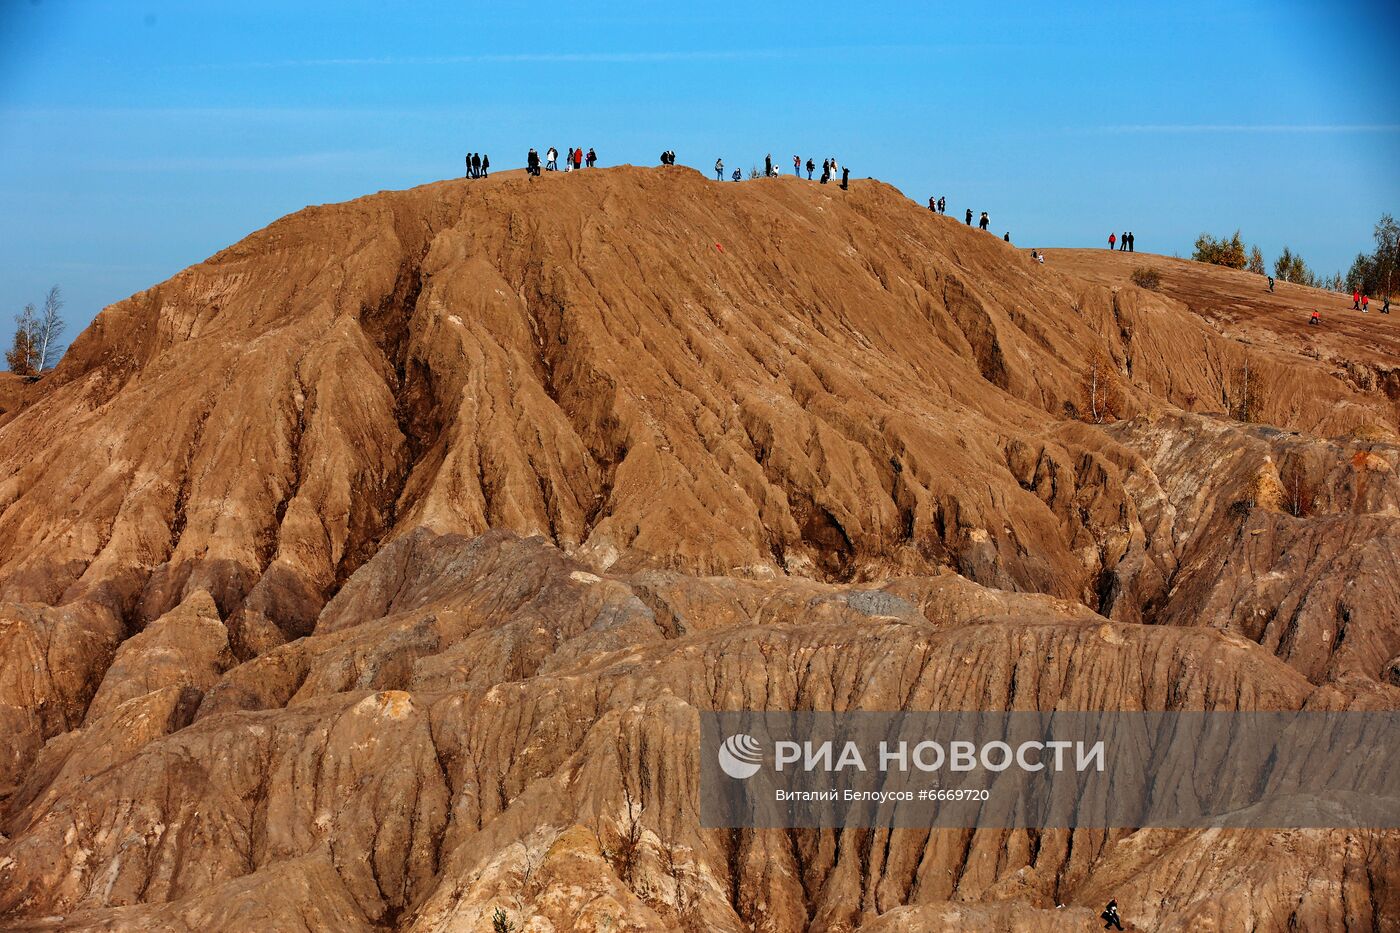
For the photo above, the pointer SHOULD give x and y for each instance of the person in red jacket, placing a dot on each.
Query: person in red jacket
(1112, 238)
(1356, 300)
(578, 158)
(1315, 319)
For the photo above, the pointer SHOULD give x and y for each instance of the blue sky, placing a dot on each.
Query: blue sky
(138, 138)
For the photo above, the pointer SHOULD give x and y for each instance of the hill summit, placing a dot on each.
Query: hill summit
(375, 569)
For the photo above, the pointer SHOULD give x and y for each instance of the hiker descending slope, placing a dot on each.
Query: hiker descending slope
(1110, 916)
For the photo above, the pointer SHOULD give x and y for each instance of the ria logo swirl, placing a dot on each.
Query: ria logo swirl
(740, 756)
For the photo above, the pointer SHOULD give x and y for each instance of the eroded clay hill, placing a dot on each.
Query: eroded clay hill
(371, 574)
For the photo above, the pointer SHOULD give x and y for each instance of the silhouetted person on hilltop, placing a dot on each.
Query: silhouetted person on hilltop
(768, 165)
(845, 177)
(719, 170)
(968, 219)
(826, 170)
(1132, 241)
(1123, 242)
(592, 158)
(1007, 236)
(476, 165)
(485, 166)
(933, 205)
(810, 167)
(983, 221)
(1110, 916)
(1112, 240)
(943, 205)
(532, 163)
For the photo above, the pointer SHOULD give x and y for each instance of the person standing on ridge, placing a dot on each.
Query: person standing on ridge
(968, 218)
(485, 166)
(933, 205)
(1132, 241)
(768, 165)
(592, 160)
(797, 166)
(1112, 240)
(469, 165)
(532, 163)
(1110, 916)
(719, 170)
(845, 177)
(1007, 237)
(943, 206)
(810, 166)
(476, 165)
(826, 170)
(578, 158)
(983, 220)
(551, 160)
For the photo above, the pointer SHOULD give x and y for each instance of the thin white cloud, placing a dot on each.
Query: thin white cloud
(1316, 128)
(263, 163)
(530, 58)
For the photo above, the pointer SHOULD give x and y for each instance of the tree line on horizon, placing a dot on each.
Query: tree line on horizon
(1372, 273)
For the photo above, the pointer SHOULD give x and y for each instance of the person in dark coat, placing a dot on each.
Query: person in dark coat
(810, 165)
(532, 163)
(845, 177)
(969, 216)
(1110, 916)
(485, 166)
(476, 165)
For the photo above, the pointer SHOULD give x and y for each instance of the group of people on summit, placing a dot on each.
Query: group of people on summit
(1124, 243)
(478, 165)
(575, 159)
(829, 169)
